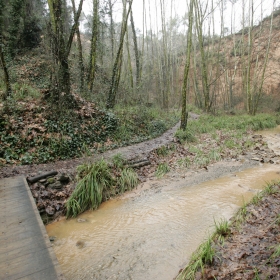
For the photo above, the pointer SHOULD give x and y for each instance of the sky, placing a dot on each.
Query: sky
(179, 8)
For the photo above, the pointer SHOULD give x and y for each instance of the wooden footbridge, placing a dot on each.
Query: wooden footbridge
(25, 249)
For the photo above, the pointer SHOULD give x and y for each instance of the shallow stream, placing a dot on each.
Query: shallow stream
(152, 235)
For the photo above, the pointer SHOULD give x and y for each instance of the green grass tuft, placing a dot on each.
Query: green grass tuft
(128, 180)
(222, 229)
(88, 193)
(162, 169)
(185, 135)
(118, 160)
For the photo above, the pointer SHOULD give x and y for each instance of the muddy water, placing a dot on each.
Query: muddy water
(151, 235)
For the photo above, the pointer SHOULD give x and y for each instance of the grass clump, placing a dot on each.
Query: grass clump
(97, 182)
(276, 253)
(118, 160)
(162, 169)
(222, 229)
(127, 180)
(185, 135)
(162, 151)
(88, 193)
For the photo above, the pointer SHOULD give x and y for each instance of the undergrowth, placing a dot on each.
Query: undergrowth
(34, 131)
(97, 182)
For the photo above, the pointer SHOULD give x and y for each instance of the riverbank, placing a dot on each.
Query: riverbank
(247, 247)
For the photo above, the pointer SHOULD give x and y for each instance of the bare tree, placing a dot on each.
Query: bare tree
(61, 49)
(80, 49)
(111, 100)
(94, 38)
(184, 116)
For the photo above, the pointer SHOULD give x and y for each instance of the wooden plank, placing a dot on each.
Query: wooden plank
(25, 249)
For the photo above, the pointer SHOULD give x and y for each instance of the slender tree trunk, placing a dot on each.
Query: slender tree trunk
(8, 91)
(184, 116)
(111, 100)
(165, 59)
(112, 30)
(80, 49)
(129, 62)
(204, 68)
(137, 59)
(93, 52)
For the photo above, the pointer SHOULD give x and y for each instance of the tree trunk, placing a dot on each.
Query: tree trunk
(111, 100)
(80, 49)
(204, 70)
(112, 31)
(137, 59)
(8, 91)
(184, 116)
(93, 52)
(60, 90)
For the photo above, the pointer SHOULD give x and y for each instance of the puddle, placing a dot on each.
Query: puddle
(152, 236)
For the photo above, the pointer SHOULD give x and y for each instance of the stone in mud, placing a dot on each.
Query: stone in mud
(80, 244)
(56, 185)
(257, 136)
(50, 180)
(52, 238)
(257, 159)
(43, 181)
(50, 211)
(81, 220)
(64, 178)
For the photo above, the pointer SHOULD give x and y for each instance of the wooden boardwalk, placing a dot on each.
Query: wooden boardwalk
(25, 249)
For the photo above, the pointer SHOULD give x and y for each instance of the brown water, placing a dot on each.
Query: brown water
(152, 235)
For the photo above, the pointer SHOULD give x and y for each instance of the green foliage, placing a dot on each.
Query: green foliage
(88, 193)
(162, 151)
(97, 182)
(186, 162)
(257, 198)
(139, 123)
(241, 215)
(230, 143)
(49, 137)
(25, 92)
(222, 229)
(156, 127)
(162, 169)
(210, 123)
(127, 180)
(118, 161)
(214, 155)
(276, 252)
(185, 135)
